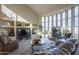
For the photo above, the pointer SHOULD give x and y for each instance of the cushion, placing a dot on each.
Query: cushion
(58, 42)
(3, 40)
(1, 46)
(67, 45)
(73, 41)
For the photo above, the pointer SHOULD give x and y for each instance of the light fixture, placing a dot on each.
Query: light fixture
(8, 24)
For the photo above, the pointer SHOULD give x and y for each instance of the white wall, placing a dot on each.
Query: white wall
(2, 22)
(24, 12)
(0, 11)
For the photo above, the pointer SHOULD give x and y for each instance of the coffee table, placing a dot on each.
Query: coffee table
(45, 44)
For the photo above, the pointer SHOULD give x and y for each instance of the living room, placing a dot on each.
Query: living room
(39, 29)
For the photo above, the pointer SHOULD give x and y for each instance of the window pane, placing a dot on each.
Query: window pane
(46, 19)
(63, 15)
(42, 35)
(58, 16)
(46, 29)
(42, 22)
(8, 12)
(76, 21)
(50, 23)
(54, 20)
(63, 23)
(42, 29)
(69, 13)
(59, 23)
(63, 19)
(76, 32)
(43, 25)
(46, 25)
(42, 19)
(69, 22)
(46, 35)
(54, 24)
(76, 10)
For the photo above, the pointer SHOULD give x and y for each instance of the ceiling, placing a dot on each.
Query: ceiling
(37, 9)
(42, 9)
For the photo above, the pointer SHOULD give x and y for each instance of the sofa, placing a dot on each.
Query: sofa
(62, 48)
(7, 45)
(66, 48)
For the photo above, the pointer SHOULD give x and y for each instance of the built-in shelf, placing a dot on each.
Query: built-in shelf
(6, 26)
(22, 27)
(16, 27)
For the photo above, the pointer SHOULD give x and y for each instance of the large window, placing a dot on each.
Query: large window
(76, 11)
(50, 23)
(50, 26)
(46, 26)
(42, 23)
(69, 13)
(59, 20)
(68, 19)
(54, 20)
(63, 20)
(69, 22)
(76, 22)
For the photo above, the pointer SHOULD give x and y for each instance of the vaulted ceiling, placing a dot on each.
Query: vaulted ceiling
(42, 9)
(31, 12)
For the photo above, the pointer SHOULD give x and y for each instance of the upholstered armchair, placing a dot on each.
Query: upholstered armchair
(7, 45)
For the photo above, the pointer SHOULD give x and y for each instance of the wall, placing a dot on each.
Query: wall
(3, 22)
(0, 11)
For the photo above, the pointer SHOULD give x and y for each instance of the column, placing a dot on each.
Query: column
(15, 32)
(31, 30)
(72, 21)
(56, 21)
(78, 23)
(66, 18)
